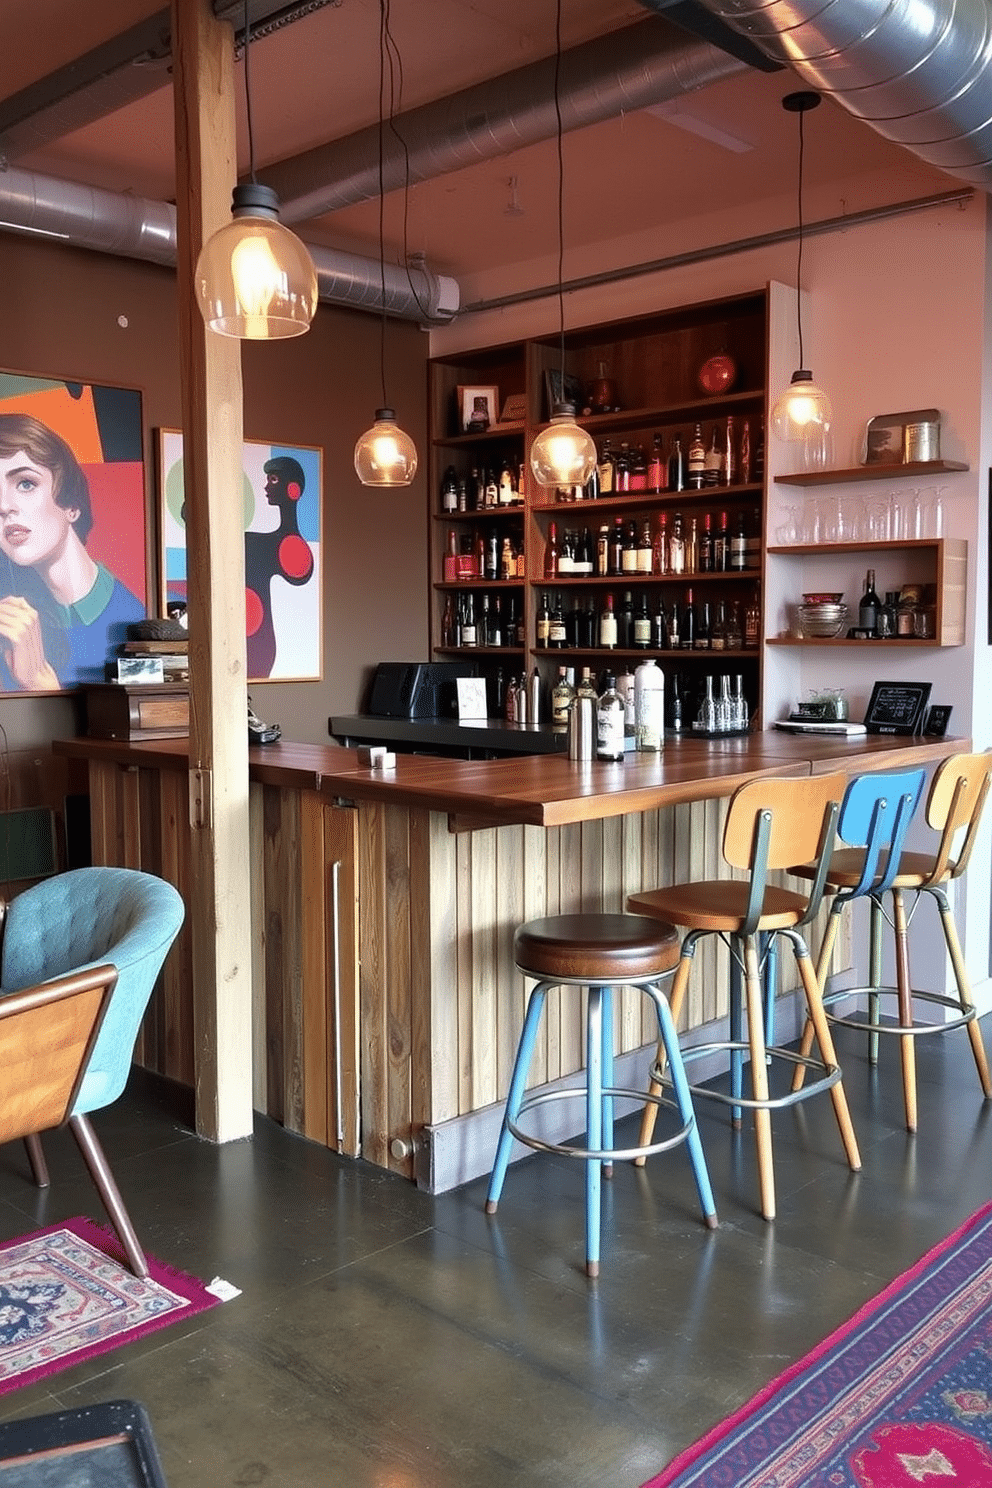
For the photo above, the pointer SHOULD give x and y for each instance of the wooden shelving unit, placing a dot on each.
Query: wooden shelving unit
(917, 469)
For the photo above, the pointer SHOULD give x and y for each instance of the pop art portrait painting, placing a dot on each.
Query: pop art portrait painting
(72, 530)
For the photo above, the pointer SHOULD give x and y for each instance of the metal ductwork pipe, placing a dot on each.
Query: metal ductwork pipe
(647, 63)
(134, 227)
(918, 71)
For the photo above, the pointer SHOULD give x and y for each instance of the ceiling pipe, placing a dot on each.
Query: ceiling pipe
(640, 65)
(918, 73)
(133, 227)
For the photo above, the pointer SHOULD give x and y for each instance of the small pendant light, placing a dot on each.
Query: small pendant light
(254, 279)
(803, 412)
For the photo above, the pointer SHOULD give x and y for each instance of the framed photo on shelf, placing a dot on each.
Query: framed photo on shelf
(281, 501)
(83, 470)
(897, 707)
(561, 387)
(477, 408)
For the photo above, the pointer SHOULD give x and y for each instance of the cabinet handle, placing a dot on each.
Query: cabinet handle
(336, 982)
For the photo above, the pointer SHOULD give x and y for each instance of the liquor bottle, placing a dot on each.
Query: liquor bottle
(507, 488)
(735, 630)
(603, 551)
(642, 625)
(590, 491)
(586, 687)
(469, 628)
(451, 557)
(621, 469)
(483, 629)
(510, 701)
(869, 605)
(492, 489)
(625, 687)
(521, 630)
(728, 465)
(556, 628)
(692, 547)
(676, 546)
(477, 488)
(572, 621)
(706, 546)
(687, 629)
(657, 467)
(674, 627)
(479, 547)
(628, 557)
(721, 546)
(738, 546)
(462, 494)
(638, 469)
(551, 554)
(589, 629)
(718, 632)
(660, 627)
(562, 697)
(752, 624)
(543, 622)
(449, 490)
(649, 707)
(497, 635)
(521, 482)
(616, 547)
(566, 555)
(606, 470)
(645, 549)
(507, 561)
(713, 463)
(448, 622)
(625, 621)
(583, 555)
(659, 558)
(696, 462)
(491, 560)
(702, 640)
(744, 461)
(610, 722)
(676, 466)
(608, 625)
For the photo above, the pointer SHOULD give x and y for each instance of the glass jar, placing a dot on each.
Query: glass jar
(925, 622)
(885, 620)
(909, 598)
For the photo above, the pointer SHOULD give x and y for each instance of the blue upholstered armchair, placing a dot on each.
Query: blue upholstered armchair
(85, 921)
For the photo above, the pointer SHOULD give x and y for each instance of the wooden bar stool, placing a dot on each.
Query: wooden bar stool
(599, 952)
(954, 807)
(765, 821)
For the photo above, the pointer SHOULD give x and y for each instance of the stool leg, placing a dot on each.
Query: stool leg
(823, 961)
(759, 1078)
(821, 1027)
(518, 1082)
(771, 983)
(679, 985)
(964, 987)
(875, 971)
(594, 1125)
(905, 998)
(683, 1096)
(736, 1028)
(607, 1014)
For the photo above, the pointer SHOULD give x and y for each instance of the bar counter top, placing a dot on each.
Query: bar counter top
(543, 790)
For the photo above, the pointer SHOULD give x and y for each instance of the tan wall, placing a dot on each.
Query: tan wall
(61, 317)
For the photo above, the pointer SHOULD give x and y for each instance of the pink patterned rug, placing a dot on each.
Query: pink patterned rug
(900, 1395)
(66, 1294)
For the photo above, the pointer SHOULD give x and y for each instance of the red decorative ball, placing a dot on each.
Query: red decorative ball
(718, 374)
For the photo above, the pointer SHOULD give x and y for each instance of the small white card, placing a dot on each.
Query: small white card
(471, 697)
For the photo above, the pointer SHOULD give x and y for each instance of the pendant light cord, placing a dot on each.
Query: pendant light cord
(383, 34)
(561, 199)
(799, 253)
(251, 132)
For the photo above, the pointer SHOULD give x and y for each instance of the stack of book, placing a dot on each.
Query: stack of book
(155, 661)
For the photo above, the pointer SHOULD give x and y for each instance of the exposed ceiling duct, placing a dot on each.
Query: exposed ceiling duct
(918, 71)
(647, 63)
(110, 222)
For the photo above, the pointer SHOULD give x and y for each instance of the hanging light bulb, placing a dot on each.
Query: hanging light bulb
(385, 455)
(803, 413)
(254, 278)
(562, 454)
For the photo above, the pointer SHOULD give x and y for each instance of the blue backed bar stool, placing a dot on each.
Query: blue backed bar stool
(766, 822)
(600, 952)
(954, 808)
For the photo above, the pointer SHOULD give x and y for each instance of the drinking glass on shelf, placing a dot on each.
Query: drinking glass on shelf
(788, 529)
(897, 518)
(916, 514)
(934, 512)
(810, 528)
(877, 518)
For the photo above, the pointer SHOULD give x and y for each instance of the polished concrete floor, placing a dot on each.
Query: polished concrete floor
(387, 1339)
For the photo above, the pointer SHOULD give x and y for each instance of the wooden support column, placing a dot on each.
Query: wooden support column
(206, 166)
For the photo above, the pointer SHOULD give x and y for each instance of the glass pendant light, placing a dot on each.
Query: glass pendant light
(385, 455)
(562, 454)
(803, 412)
(254, 278)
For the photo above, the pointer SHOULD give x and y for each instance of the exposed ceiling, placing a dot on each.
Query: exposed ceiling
(643, 176)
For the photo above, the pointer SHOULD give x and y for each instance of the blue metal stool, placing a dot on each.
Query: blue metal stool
(600, 952)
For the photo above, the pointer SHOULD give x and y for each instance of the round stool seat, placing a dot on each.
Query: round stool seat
(601, 948)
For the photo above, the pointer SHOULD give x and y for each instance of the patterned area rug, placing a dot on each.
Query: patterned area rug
(66, 1294)
(901, 1395)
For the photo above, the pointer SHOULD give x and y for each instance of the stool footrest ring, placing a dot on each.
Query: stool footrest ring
(907, 1030)
(610, 1154)
(829, 1074)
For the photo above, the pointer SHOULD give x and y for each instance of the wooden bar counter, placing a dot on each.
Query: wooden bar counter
(386, 1004)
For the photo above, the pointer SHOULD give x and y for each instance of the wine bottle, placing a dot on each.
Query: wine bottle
(657, 467)
(702, 639)
(676, 546)
(551, 554)
(645, 550)
(610, 722)
(608, 625)
(738, 546)
(556, 628)
(713, 462)
(696, 462)
(625, 621)
(642, 625)
(543, 622)
(628, 557)
(449, 490)
(603, 551)
(869, 605)
(687, 630)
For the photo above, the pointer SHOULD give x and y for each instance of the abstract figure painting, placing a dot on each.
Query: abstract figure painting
(281, 495)
(72, 529)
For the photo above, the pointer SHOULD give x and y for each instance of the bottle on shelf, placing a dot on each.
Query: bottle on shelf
(692, 546)
(449, 490)
(628, 556)
(492, 490)
(583, 555)
(752, 624)
(587, 686)
(621, 468)
(642, 625)
(543, 622)
(721, 546)
(448, 622)
(606, 470)
(718, 631)
(507, 488)
(638, 469)
(497, 635)
(713, 462)
(484, 626)
(608, 625)
(659, 557)
(566, 555)
(625, 621)
(610, 722)
(659, 627)
(603, 550)
(702, 641)
(616, 547)
(676, 546)
(491, 561)
(705, 557)
(744, 455)
(562, 697)
(728, 463)
(510, 701)
(649, 707)
(735, 628)
(687, 626)
(737, 558)
(450, 569)
(507, 561)
(676, 466)
(625, 687)
(696, 461)
(551, 554)
(869, 605)
(469, 628)
(645, 549)
(556, 626)
(657, 467)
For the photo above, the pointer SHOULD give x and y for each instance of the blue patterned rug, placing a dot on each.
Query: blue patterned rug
(66, 1294)
(899, 1396)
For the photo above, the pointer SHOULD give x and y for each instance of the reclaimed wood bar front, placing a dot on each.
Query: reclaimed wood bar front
(386, 1006)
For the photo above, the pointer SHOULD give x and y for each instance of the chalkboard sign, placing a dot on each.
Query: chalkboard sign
(896, 707)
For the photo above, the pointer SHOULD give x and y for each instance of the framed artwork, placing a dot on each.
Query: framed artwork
(72, 529)
(477, 408)
(282, 514)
